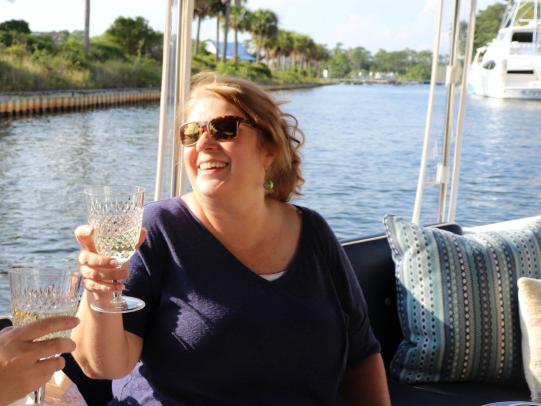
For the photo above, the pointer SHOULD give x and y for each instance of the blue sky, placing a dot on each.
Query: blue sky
(374, 24)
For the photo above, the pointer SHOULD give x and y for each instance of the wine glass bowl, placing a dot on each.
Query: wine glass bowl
(41, 292)
(116, 213)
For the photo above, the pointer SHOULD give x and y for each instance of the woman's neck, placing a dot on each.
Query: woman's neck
(241, 223)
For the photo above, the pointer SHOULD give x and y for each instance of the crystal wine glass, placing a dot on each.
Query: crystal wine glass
(43, 292)
(116, 214)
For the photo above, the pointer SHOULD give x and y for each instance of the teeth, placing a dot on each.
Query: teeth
(211, 165)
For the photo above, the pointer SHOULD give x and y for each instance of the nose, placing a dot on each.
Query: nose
(206, 141)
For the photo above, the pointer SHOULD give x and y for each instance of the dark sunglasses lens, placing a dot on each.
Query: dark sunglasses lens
(224, 128)
(189, 133)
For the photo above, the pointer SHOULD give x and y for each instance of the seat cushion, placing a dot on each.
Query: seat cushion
(529, 298)
(374, 268)
(457, 301)
(454, 394)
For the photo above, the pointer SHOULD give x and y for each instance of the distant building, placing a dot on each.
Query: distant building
(384, 75)
(210, 46)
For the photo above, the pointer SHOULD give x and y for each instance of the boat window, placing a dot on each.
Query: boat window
(520, 72)
(489, 65)
(522, 37)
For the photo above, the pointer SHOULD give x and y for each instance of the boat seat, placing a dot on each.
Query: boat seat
(372, 262)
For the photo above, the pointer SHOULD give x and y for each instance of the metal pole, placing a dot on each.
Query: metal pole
(163, 101)
(460, 116)
(428, 123)
(183, 88)
(450, 80)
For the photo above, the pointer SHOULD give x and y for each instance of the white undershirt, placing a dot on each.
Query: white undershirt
(272, 276)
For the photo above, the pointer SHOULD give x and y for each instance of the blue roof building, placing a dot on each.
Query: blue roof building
(243, 53)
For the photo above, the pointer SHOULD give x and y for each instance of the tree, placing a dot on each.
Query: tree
(487, 24)
(15, 26)
(226, 9)
(215, 10)
(201, 10)
(134, 36)
(238, 17)
(86, 43)
(361, 59)
(263, 25)
(339, 64)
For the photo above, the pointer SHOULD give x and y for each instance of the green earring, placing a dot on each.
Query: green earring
(268, 185)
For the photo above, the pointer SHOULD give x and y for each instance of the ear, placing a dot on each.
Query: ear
(268, 153)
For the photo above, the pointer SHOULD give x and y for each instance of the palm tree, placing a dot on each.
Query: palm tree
(201, 10)
(263, 25)
(226, 9)
(215, 10)
(87, 27)
(238, 17)
(284, 44)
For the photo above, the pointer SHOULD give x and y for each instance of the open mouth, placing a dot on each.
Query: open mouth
(206, 166)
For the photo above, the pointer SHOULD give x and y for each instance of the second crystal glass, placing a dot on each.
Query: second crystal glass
(116, 213)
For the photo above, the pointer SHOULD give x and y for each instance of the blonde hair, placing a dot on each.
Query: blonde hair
(278, 130)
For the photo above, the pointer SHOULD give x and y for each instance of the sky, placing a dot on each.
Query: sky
(379, 24)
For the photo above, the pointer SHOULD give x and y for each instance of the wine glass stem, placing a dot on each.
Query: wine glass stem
(117, 296)
(38, 396)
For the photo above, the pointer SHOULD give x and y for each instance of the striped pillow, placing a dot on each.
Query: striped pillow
(457, 301)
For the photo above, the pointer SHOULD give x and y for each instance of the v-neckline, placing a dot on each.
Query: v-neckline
(245, 269)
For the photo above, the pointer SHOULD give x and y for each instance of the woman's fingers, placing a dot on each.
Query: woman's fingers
(49, 348)
(83, 234)
(94, 260)
(103, 274)
(41, 328)
(103, 286)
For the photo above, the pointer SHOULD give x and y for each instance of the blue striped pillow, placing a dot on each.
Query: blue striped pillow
(457, 301)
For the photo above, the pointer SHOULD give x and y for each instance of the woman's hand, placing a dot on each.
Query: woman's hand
(101, 274)
(22, 368)
(104, 349)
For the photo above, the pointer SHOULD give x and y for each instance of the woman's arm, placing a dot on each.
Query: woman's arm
(366, 383)
(104, 349)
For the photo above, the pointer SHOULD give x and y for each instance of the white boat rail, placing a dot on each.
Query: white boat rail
(451, 81)
(177, 45)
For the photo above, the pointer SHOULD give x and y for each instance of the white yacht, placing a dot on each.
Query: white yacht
(510, 65)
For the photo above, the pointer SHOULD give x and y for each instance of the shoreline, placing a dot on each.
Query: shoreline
(22, 104)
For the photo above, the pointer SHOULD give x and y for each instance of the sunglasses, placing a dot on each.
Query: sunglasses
(224, 128)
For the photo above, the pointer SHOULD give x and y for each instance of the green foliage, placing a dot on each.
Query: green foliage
(143, 72)
(361, 59)
(15, 26)
(41, 43)
(103, 49)
(487, 24)
(339, 65)
(73, 51)
(135, 36)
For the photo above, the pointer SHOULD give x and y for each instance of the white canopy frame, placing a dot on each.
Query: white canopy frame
(177, 49)
(451, 80)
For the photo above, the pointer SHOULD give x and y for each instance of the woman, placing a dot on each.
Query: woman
(250, 300)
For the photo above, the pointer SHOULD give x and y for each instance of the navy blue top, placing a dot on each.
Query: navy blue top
(216, 333)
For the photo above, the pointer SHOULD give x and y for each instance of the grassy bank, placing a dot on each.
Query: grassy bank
(23, 72)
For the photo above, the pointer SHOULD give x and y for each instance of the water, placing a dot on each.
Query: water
(361, 157)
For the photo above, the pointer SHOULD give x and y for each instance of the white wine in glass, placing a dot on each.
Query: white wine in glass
(41, 292)
(116, 214)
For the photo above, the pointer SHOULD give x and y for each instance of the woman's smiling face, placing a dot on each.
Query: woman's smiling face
(230, 169)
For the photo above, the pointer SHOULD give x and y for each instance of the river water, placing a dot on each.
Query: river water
(361, 156)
